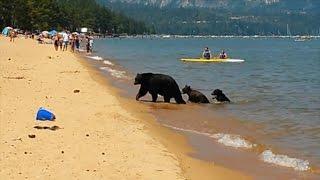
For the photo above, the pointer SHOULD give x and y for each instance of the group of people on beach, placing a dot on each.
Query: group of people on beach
(64, 39)
(61, 40)
(207, 54)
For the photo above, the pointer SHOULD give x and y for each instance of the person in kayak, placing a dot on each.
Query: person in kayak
(223, 55)
(206, 53)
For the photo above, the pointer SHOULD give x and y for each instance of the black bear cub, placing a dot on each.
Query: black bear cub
(219, 96)
(195, 96)
(161, 84)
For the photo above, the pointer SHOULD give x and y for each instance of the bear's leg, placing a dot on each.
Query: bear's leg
(167, 99)
(142, 92)
(179, 99)
(154, 97)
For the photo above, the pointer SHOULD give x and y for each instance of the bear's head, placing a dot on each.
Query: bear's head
(138, 79)
(186, 89)
(216, 93)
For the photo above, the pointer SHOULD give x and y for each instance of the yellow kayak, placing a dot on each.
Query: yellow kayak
(211, 60)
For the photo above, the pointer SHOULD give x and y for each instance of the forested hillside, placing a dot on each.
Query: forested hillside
(66, 14)
(224, 17)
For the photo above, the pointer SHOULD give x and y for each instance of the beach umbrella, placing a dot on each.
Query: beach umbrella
(6, 31)
(53, 33)
(45, 34)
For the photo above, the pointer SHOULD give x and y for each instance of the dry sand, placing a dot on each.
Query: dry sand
(98, 136)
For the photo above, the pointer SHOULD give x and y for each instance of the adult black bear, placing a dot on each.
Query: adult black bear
(195, 96)
(156, 84)
(219, 96)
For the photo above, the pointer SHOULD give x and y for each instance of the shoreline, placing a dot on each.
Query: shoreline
(192, 168)
(48, 78)
(256, 151)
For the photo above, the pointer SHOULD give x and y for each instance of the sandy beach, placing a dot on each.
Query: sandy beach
(97, 134)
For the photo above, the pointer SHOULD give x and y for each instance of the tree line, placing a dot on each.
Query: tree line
(66, 14)
(264, 20)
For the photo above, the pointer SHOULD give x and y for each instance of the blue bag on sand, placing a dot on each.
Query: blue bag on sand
(45, 115)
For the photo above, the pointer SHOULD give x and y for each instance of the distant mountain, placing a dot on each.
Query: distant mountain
(220, 17)
(193, 3)
(284, 4)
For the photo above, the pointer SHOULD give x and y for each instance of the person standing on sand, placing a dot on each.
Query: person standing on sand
(12, 35)
(77, 43)
(60, 37)
(91, 44)
(72, 42)
(65, 41)
(88, 45)
(56, 42)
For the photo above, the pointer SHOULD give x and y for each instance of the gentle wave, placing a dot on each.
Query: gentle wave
(115, 73)
(98, 58)
(108, 63)
(236, 141)
(286, 161)
(230, 140)
(233, 141)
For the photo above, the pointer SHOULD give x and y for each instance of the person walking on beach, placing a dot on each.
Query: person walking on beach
(56, 42)
(65, 41)
(77, 43)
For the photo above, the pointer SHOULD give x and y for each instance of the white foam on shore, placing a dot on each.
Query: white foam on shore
(286, 161)
(98, 58)
(235, 141)
(115, 73)
(231, 140)
(267, 156)
(108, 63)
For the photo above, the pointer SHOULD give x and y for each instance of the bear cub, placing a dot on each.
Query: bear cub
(220, 96)
(194, 95)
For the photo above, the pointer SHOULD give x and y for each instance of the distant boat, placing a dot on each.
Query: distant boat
(303, 38)
(299, 40)
(288, 30)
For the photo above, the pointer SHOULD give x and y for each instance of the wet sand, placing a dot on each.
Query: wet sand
(97, 134)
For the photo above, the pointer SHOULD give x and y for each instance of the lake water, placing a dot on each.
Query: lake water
(276, 90)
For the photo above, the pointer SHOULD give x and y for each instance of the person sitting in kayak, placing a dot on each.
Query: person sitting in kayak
(223, 55)
(206, 53)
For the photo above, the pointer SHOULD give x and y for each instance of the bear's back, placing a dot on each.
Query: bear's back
(198, 97)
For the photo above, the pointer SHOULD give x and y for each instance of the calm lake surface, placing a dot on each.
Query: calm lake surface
(277, 87)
